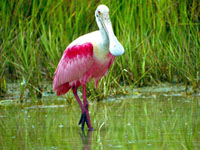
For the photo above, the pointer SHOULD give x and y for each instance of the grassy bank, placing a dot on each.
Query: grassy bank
(161, 40)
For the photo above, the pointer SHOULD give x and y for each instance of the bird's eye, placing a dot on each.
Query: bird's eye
(99, 12)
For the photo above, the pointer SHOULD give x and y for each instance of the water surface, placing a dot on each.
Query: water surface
(145, 119)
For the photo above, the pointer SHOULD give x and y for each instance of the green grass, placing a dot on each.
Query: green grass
(161, 40)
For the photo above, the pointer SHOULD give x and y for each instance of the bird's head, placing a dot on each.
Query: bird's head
(104, 23)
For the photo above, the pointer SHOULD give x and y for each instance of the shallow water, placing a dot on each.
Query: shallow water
(144, 119)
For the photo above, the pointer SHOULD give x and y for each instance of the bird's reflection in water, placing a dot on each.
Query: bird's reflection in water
(86, 139)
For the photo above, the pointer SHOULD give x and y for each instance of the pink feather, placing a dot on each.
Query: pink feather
(78, 66)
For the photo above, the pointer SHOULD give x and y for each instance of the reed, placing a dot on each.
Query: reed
(161, 39)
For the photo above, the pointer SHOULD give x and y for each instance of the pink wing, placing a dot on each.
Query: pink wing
(75, 62)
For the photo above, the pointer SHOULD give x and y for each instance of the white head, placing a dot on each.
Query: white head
(104, 23)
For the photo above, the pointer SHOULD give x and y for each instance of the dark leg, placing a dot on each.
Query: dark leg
(86, 105)
(85, 118)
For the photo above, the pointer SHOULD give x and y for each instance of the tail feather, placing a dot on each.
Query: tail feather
(62, 89)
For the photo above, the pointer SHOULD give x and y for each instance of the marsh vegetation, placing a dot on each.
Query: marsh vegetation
(135, 109)
(161, 40)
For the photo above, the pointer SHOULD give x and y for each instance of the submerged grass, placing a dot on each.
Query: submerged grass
(161, 40)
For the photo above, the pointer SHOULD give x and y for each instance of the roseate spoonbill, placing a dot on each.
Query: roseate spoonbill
(87, 57)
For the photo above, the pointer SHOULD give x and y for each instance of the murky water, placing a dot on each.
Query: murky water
(145, 119)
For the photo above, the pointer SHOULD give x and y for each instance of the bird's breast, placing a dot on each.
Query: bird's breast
(101, 50)
(101, 66)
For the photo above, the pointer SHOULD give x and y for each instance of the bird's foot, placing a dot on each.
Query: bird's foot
(84, 120)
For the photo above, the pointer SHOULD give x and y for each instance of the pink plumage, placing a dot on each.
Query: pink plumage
(88, 57)
(78, 66)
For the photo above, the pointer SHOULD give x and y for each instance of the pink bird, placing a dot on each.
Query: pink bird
(89, 56)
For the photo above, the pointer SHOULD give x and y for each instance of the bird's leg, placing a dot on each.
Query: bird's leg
(86, 105)
(85, 118)
(74, 89)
